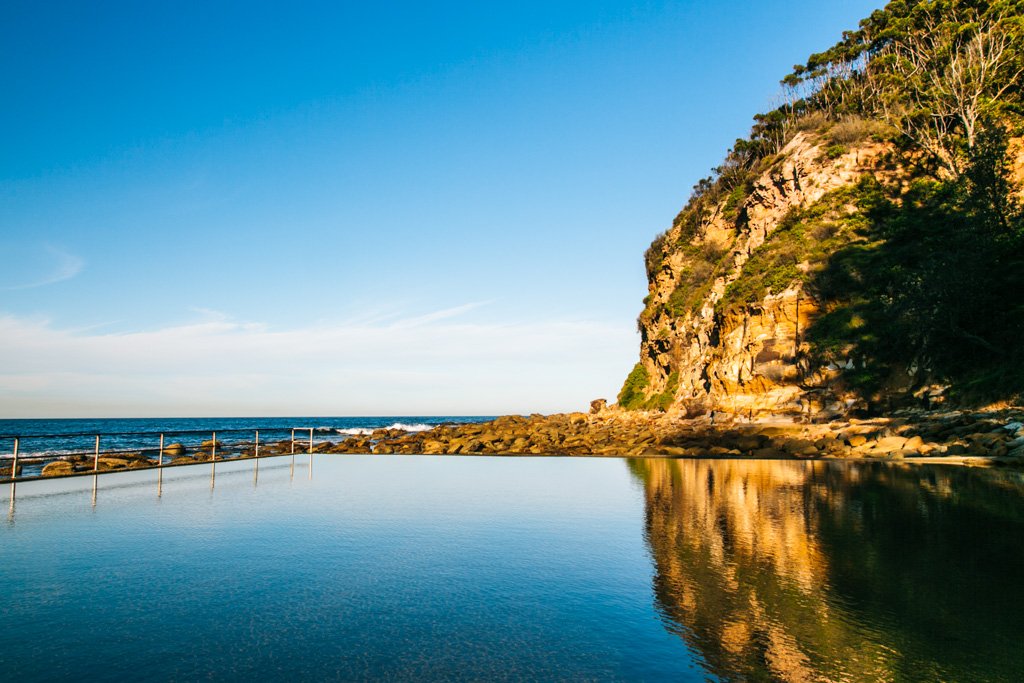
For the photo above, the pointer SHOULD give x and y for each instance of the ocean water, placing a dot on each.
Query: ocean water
(60, 437)
(349, 567)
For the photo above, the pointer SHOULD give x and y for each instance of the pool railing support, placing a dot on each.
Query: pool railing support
(256, 464)
(311, 447)
(14, 474)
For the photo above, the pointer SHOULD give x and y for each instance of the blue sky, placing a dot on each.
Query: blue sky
(355, 208)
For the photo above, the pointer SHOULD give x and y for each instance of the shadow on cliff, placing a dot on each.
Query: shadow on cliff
(931, 288)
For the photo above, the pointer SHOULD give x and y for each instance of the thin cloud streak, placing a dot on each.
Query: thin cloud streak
(67, 266)
(427, 364)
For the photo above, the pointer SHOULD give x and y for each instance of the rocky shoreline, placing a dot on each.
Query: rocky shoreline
(952, 435)
(991, 437)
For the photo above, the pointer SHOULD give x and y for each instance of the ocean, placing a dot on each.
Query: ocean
(62, 437)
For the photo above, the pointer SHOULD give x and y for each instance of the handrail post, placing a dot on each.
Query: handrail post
(257, 443)
(96, 456)
(310, 452)
(14, 461)
(160, 458)
(213, 448)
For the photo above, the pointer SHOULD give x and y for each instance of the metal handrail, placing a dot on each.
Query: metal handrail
(169, 432)
(17, 457)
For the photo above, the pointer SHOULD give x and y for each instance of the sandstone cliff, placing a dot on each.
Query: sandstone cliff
(862, 247)
(744, 357)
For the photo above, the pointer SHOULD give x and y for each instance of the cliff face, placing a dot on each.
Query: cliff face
(701, 349)
(864, 245)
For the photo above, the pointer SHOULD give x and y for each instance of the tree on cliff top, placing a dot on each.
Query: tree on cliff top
(935, 70)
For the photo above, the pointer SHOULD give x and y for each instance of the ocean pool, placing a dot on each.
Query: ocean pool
(470, 568)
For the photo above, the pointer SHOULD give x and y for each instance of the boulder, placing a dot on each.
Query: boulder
(433, 447)
(801, 447)
(58, 468)
(6, 471)
(598, 405)
(748, 443)
(111, 463)
(914, 443)
(174, 449)
(890, 444)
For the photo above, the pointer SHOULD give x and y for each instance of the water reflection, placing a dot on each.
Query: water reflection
(814, 571)
(116, 479)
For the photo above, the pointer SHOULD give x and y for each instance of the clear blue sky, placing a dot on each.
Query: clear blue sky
(213, 208)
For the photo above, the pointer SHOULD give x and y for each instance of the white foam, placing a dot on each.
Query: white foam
(365, 431)
(411, 428)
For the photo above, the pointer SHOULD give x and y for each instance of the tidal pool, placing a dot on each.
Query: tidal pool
(470, 568)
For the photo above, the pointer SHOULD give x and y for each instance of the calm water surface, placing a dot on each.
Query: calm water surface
(385, 567)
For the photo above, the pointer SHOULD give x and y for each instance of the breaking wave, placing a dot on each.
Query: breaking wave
(363, 431)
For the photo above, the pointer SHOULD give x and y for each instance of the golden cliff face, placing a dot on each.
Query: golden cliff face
(752, 359)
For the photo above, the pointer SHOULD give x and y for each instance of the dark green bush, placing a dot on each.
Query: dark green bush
(632, 397)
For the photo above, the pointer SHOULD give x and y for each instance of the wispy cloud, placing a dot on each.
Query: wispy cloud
(435, 316)
(437, 363)
(65, 266)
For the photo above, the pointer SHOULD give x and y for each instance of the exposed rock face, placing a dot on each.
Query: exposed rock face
(751, 359)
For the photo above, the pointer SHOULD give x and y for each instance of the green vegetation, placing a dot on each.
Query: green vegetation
(800, 246)
(632, 396)
(933, 279)
(663, 400)
(705, 262)
(852, 130)
(835, 151)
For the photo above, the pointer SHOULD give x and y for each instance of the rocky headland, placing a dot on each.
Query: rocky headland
(993, 437)
(860, 251)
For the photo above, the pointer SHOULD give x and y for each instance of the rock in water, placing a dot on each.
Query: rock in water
(58, 468)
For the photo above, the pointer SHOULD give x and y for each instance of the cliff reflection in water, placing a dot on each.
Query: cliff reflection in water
(810, 571)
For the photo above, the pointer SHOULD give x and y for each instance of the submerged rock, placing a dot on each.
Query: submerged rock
(58, 468)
